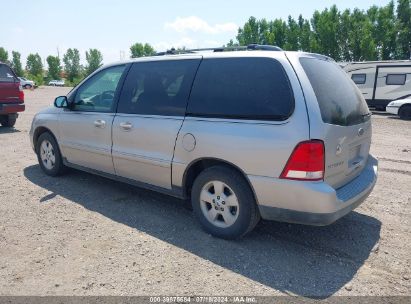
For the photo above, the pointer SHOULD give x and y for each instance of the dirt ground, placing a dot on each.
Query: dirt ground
(86, 235)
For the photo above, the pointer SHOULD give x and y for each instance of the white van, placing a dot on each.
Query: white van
(381, 81)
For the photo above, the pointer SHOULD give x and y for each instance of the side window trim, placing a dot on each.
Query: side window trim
(192, 85)
(120, 87)
(116, 94)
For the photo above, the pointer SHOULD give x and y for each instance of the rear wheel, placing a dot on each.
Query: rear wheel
(8, 120)
(49, 156)
(224, 203)
(405, 112)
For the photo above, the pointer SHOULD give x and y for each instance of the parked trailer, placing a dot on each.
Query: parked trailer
(381, 81)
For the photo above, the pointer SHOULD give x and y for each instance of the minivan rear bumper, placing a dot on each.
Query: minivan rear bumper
(312, 203)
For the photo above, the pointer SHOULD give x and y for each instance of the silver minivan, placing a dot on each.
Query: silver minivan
(249, 134)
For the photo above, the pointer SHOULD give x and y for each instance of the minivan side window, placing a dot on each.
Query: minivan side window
(395, 79)
(6, 74)
(158, 87)
(97, 93)
(241, 88)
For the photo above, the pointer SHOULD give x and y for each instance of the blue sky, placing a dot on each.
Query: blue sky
(44, 26)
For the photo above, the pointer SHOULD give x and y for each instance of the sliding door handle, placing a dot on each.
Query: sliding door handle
(99, 123)
(126, 126)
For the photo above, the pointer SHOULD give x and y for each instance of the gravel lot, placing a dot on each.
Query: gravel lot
(86, 235)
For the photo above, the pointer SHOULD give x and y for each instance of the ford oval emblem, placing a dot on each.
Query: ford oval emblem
(361, 132)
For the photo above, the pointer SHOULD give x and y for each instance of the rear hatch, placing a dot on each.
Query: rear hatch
(346, 120)
(10, 91)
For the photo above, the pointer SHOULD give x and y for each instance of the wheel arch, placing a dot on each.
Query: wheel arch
(41, 130)
(407, 104)
(199, 165)
(402, 107)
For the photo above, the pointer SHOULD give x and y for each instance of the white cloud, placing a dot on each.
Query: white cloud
(196, 24)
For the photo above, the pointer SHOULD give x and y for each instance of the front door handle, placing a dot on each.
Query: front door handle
(126, 126)
(99, 123)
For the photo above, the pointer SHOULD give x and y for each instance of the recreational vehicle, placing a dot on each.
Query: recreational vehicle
(381, 81)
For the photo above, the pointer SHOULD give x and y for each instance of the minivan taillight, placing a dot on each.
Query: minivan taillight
(21, 93)
(306, 162)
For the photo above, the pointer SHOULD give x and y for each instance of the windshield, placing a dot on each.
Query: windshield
(340, 101)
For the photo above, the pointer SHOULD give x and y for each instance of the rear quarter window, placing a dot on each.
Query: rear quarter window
(241, 88)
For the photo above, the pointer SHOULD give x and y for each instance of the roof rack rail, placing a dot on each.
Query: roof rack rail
(250, 47)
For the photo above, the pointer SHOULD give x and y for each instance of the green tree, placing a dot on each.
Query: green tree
(34, 66)
(249, 34)
(360, 40)
(72, 65)
(387, 29)
(305, 34)
(376, 34)
(141, 50)
(325, 27)
(403, 29)
(4, 55)
(384, 30)
(94, 60)
(54, 67)
(292, 35)
(278, 30)
(16, 63)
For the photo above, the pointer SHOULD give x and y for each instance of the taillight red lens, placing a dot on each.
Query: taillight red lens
(306, 162)
(21, 93)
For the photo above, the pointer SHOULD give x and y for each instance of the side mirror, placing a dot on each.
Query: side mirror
(61, 102)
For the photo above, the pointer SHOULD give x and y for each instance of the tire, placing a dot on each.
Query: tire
(28, 86)
(229, 219)
(8, 120)
(405, 112)
(49, 156)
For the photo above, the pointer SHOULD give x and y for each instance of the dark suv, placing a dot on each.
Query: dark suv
(11, 96)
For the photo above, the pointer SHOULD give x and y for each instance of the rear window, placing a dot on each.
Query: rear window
(6, 74)
(340, 101)
(241, 88)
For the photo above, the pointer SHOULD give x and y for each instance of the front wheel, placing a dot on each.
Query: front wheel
(224, 203)
(49, 156)
(405, 112)
(28, 86)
